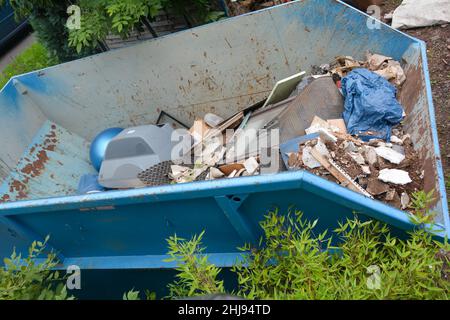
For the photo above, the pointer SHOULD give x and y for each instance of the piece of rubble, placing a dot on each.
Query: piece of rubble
(394, 176)
(338, 124)
(349, 146)
(365, 170)
(396, 140)
(390, 195)
(390, 154)
(251, 165)
(394, 199)
(338, 172)
(308, 159)
(357, 157)
(178, 171)
(399, 149)
(215, 173)
(212, 120)
(404, 199)
(232, 174)
(406, 137)
(370, 155)
(316, 124)
(363, 181)
(376, 187)
(181, 174)
(393, 72)
(294, 160)
(325, 135)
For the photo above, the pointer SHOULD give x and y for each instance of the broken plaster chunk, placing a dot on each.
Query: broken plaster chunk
(357, 157)
(349, 146)
(322, 148)
(338, 124)
(394, 176)
(371, 155)
(396, 140)
(212, 120)
(404, 199)
(316, 124)
(251, 165)
(390, 154)
(215, 173)
(308, 160)
(365, 170)
(325, 135)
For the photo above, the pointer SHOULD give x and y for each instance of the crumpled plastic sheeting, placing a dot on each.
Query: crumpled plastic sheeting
(421, 13)
(370, 105)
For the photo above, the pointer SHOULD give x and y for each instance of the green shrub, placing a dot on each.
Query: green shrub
(23, 279)
(33, 58)
(120, 17)
(298, 263)
(48, 18)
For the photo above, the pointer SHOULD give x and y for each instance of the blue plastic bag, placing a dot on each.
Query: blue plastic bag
(370, 105)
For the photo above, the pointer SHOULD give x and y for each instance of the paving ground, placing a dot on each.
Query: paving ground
(15, 48)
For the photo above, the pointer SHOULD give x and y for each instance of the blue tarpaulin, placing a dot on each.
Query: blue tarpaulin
(370, 104)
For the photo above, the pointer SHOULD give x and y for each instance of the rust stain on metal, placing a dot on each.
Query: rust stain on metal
(18, 188)
(410, 92)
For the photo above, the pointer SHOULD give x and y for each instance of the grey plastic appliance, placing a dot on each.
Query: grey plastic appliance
(133, 151)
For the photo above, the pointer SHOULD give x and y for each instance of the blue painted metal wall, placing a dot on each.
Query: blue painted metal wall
(221, 67)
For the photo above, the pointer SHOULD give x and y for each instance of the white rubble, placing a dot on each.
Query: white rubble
(390, 154)
(308, 159)
(394, 176)
(251, 165)
(365, 170)
(371, 155)
(357, 157)
(396, 140)
(404, 199)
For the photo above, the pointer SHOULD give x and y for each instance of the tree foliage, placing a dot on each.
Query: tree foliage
(98, 19)
(120, 17)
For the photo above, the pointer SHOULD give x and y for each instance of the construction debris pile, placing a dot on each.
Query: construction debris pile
(387, 171)
(342, 123)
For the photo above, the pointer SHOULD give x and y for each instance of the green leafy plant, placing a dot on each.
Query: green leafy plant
(24, 279)
(297, 262)
(420, 203)
(120, 17)
(196, 276)
(33, 58)
(135, 295)
(48, 19)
